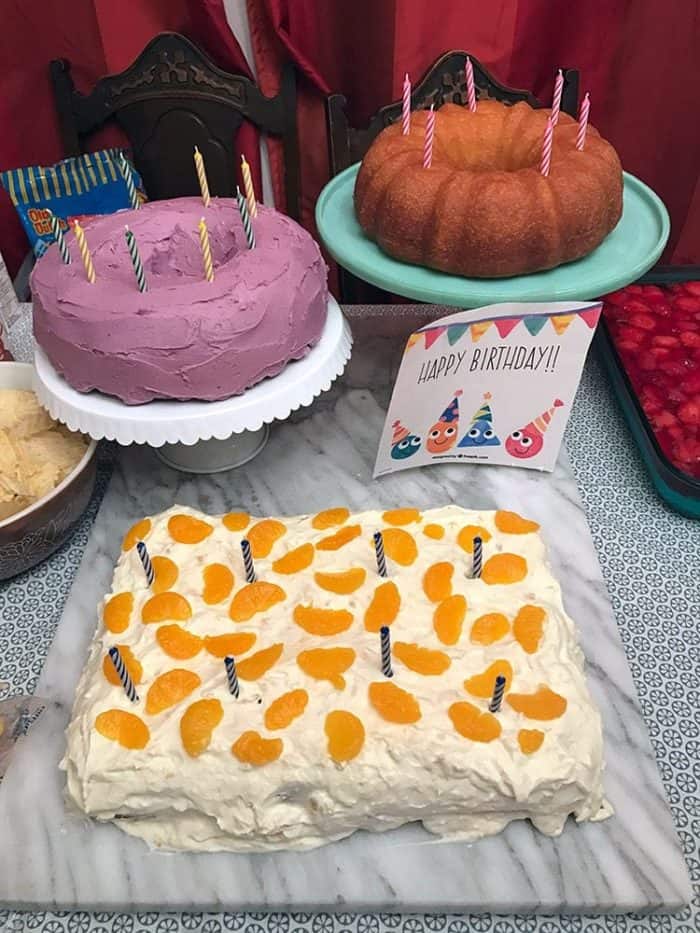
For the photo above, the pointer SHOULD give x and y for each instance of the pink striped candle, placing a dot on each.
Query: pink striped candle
(547, 148)
(406, 112)
(583, 122)
(429, 137)
(556, 100)
(471, 89)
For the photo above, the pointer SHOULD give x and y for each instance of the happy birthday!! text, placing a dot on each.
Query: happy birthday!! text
(491, 359)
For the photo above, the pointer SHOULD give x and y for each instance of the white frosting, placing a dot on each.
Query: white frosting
(458, 788)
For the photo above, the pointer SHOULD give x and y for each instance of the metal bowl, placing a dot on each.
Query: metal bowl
(30, 536)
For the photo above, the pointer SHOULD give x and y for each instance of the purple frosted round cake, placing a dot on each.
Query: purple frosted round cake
(183, 338)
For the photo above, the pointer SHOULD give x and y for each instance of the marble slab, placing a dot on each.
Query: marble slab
(324, 457)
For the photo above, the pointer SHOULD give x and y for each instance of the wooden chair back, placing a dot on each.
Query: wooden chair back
(171, 99)
(444, 82)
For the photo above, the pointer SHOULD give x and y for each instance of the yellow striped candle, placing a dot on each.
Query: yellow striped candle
(84, 252)
(206, 250)
(249, 190)
(202, 176)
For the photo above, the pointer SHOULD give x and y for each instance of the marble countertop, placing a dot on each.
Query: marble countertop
(646, 554)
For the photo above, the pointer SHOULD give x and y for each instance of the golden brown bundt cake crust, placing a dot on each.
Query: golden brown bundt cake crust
(483, 209)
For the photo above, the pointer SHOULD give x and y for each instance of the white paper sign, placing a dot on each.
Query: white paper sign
(488, 385)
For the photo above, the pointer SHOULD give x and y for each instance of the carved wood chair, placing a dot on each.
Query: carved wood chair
(444, 82)
(171, 99)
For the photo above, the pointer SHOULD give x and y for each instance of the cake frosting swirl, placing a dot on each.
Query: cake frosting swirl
(319, 743)
(184, 338)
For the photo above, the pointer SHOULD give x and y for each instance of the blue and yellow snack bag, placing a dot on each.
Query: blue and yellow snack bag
(92, 183)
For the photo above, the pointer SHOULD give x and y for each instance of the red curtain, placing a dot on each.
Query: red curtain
(638, 60)
(98, 37)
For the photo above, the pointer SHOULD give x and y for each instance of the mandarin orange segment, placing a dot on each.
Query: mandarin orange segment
(285, 709)
(197, 725)
(481, 685)
(257, 664)
(263, 535)
(236, 521)
(421, 660)
(185, 529)
(132, 665)
(166, 574)
(117, 612)
(322, 621)
(473, 724)
(136, 533)
(543, 704)
(437, 581)
(221, 646)
(343, 583)
(252, 749)
(327, 664)
(393, 703)
(465, 538)
(530, 740)
(339, 539)
(166, 606)
(449, 617)
(218, 583)
(384, 607)
(170, 688)
(255, 597)
(329, 518)
(401, 516)
(177, 642)
(491, 627)
(400, 546)
(510, 523)
(346, 735)
(125, 728)
(436, 532)
(504, 569)
(294, 561)
(528, 627)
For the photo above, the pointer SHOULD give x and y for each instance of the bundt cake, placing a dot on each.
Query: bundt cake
(483, 208)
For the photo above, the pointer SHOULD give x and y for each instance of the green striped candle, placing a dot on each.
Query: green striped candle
(60, 239)
(136, 260)
(245, 217)
(125, 169)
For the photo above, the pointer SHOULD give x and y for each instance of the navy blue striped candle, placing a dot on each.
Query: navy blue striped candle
(123, 674)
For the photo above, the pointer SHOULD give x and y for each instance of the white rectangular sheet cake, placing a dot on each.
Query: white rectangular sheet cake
(319, 742)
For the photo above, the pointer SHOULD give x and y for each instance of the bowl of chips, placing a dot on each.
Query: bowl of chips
(47, 475)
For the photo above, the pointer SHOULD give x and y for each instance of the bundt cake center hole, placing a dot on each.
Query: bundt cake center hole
(179, 256)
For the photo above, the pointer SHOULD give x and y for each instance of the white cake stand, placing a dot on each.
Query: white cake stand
(202, 437)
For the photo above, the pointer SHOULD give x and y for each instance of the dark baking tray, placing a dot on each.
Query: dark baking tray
(680, 490)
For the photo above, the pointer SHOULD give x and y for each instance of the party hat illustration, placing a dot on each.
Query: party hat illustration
(442, 436)
(480, 432)
(528, 441)
(403, 443)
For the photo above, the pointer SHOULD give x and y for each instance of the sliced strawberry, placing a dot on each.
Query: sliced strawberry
(690, 338)
(664, 340)
(635, 305)
(664, 419)
(672, 367)
(689, 413)
(689, 303)
(642, 321)
(691, 383)
(693, 288)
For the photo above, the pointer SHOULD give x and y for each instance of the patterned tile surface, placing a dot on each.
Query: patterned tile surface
(649, 557)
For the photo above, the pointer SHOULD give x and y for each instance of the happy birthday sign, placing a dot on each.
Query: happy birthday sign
(489, 385)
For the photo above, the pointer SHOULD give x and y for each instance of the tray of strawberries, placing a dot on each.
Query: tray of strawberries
(649, 340)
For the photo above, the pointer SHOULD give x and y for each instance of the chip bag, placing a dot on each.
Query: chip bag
(91, 183)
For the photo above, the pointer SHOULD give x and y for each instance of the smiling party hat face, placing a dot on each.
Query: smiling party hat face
(480, 432)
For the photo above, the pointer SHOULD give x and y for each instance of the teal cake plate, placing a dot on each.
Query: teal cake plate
(628, 252)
